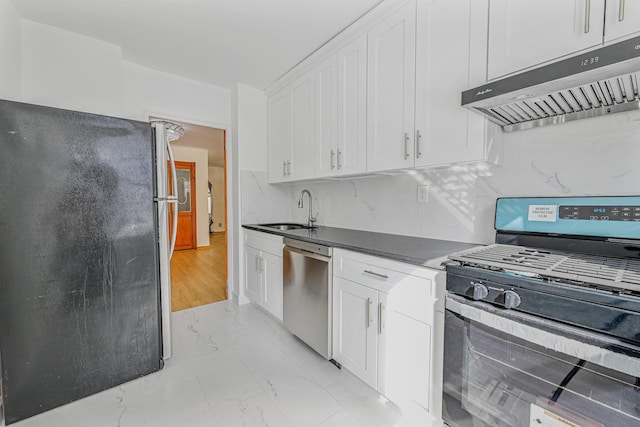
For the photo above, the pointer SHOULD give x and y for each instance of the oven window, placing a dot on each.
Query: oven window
(495, 379)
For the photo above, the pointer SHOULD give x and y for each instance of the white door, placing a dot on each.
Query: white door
(355, 329)
(252, 274)
(326, 122)
(623, 19)
(524, 33)
(302, 128)
(391, 90)
(351, 155)
(404, 357)
(272, 278)
(279, 134)
(448, 61)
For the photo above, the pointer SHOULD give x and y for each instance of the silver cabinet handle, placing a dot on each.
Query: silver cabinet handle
(369, 318)
(587, 15)
(418, 149)
(255, 264)
(381, 309)
(406, 146)
(284, 168)
(339, 159)
(373, 273)
(333, 156)
(288, 168)
(621, 6)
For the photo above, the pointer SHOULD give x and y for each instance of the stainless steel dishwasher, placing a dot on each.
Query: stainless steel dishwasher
(307, 293)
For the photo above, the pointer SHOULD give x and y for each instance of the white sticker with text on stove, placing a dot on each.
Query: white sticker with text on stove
(544, 213)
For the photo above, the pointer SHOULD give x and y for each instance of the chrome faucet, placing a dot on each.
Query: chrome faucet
(311, 219)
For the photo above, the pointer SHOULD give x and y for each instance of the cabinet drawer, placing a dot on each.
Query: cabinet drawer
(411, 289)
(264, 241)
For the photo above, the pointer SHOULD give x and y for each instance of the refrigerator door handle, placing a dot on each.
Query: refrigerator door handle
(173, 198)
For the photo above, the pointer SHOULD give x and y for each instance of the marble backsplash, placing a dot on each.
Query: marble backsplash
(593, 157)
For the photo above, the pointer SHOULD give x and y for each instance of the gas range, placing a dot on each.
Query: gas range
(581, 270)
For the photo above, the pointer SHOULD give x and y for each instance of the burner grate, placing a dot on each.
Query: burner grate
(620, 273)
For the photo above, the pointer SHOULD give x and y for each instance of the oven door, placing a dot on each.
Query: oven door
(507, 369)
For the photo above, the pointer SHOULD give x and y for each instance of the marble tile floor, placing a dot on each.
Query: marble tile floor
(233, 366)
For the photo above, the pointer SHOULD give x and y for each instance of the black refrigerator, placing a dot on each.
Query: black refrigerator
(80, 304)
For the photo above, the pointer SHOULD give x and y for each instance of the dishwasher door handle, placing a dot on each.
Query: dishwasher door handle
(307, 254)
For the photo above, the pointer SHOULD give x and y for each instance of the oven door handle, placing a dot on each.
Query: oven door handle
(595, 348)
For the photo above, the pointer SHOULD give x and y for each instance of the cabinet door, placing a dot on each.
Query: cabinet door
(404, 356)
(391, 90)
(271, 266)
(326, 117)
(525, 33)
(302, 128)
(352, 107)
(252, 274)
(355, 329)
(279, 135)
(448, 61)
(622, 19)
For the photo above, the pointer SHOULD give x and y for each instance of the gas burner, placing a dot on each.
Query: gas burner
(622, 274)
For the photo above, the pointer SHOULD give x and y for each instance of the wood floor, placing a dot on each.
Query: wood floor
(198, 276)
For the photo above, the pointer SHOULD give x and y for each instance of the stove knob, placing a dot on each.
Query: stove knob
(511, 299)
(480, 291)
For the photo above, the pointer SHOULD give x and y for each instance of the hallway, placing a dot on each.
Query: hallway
(199, 276)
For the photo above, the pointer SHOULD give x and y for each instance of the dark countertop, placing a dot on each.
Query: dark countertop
(409, 249)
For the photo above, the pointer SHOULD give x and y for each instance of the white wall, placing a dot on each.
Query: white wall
(10, 52)
(173, 97)
(252, 128)
(216, 178)
(199, 157)
(68, 70)
(592, 157)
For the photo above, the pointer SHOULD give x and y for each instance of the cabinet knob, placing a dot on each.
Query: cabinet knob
(480, 291)
(511, 299)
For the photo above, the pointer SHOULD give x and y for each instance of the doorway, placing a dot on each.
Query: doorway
(199, 270)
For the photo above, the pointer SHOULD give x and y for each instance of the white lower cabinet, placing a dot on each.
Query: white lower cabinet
(404, 356)
(386, 320)
(355, 333)
(263, 270)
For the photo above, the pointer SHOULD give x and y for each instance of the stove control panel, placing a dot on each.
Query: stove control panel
(595, 216)
(479, 290)
(600, 213)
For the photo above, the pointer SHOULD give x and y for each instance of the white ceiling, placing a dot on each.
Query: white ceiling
(220, 42)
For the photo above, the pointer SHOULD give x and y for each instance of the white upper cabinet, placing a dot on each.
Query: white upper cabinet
(290, 131)
(279, 135)
(326, 99)
(351, 154)
(391, 90)
(622, 19)
(302, 129)
(341, 94)
(524, 33)
(450, 58)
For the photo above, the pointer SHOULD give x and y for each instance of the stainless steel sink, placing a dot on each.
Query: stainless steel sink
(287, 226)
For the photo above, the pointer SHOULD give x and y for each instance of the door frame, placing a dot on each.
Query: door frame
(232, 211)
(192, 182)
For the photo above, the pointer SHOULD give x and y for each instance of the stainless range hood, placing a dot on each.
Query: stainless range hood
(596, 83)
